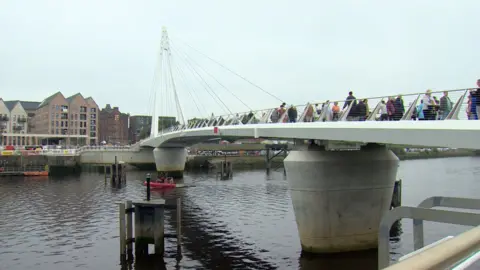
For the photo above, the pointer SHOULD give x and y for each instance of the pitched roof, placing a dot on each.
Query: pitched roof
(70, 98)
(30, 105)
(91, 101)
(27, 105)
(10, 104)
(48, 99)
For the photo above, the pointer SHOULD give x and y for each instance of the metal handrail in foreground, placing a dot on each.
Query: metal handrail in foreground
(444, 216)
(445, 255)
(439, 201)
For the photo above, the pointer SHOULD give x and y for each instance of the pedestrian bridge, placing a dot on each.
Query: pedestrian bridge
(452, 134)
(339, 197)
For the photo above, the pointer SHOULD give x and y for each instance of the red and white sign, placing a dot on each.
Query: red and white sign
(215, 130)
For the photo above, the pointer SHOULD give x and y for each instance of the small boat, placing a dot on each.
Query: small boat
(160, 185)
(44, 173)
(162, 182)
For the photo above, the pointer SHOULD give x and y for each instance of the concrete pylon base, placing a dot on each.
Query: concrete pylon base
(339, 197)
(170, 161)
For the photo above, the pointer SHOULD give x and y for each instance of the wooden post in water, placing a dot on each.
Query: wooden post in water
(397, 195)
(267, 160)
(116, 170)
(148, 186)
(121, 213)
(179, 226)
(129, 228)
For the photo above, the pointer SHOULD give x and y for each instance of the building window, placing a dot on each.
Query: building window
(93, 110)
(56, 131)
(66, 123)
(57, 108)
(53, 115)
(83, 109)
(117, 117)
(56, 123)
(52, 131)
(61, 123)
(93, 116)
(92, 122)
(56, 115)
(64, 108)
(83, 117)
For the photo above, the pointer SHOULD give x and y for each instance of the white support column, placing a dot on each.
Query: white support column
(339, 197)
(170, 160)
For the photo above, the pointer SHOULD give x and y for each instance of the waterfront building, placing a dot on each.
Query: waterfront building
(113, 127)
(4, 117)
(18, 117)
(30, 108)
(55, 120)
(94, 120)
(83, 120)
(139, 127)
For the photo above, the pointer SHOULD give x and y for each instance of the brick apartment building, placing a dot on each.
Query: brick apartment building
(73, 119)
(113, 126)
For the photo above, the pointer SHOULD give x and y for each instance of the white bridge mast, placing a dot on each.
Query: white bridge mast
(164, 63)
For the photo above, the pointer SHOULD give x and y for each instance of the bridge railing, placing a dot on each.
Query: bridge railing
(103, 148)
(323, 111)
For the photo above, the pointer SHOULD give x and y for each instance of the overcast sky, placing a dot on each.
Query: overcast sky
(297, 50)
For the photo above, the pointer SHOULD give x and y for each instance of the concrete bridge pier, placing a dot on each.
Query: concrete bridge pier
(339, 197)
(170, 160)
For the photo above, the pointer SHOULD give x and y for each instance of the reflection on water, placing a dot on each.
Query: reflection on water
(244, 223)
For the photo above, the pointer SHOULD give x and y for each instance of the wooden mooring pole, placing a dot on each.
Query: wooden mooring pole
(179, 227)
(149, 221)
(121, 212)
(129, 240)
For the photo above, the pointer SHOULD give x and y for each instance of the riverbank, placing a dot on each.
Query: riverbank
(259, 161)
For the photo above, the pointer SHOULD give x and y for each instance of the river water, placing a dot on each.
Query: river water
(244, 223)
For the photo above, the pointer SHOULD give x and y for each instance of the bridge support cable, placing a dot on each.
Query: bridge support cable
(213, 77)
(201, 82)
(179, 107)
(231, 71)
(205, 85)
(190, 91)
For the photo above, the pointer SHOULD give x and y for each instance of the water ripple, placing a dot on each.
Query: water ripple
(244, 223)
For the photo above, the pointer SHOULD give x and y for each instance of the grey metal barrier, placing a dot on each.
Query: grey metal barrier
(439, 201)
(444, 216)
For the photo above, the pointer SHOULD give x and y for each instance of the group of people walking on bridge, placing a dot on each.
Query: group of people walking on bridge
(393, 109)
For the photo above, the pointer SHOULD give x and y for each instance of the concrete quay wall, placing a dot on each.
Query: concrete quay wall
(142, 157)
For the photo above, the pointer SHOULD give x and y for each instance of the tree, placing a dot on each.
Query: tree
(195, 120)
